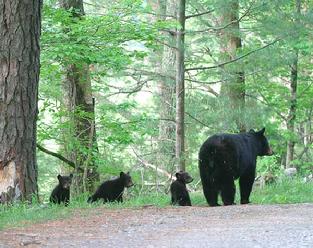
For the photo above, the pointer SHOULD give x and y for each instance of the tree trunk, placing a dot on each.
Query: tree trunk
(19, 76)
(293, 99)
(80, 103)
(166, 58)
(292, 110)
(180, 87)
(234, 88)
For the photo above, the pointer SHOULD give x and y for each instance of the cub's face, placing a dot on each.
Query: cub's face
(65, 181)
(126, 179)
(184, 177)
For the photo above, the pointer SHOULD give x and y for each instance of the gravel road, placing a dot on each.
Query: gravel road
(232, 226)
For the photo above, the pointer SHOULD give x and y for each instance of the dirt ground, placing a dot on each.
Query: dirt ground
(231, 226)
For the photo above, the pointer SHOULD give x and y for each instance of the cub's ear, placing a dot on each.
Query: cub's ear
(59, 177)
(251, 131)
(122, 174)
(178, 175)
(127, 173)
(261, 132)
(71, 175)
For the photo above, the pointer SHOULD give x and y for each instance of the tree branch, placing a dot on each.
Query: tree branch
(200, 14)
(59, 156)
(265, 102)
(147, 164)
(233, 60)
(226, 25)
(194, 118)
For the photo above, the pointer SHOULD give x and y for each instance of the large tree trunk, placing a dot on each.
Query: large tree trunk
(19, 76)
(234, 88)
(293, 99)
(180, 86)
(80, 104)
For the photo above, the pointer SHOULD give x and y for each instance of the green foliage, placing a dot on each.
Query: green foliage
(91, 39)
(268, 165)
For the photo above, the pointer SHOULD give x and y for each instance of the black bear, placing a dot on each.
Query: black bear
(61, 193)
(226, 157)
(112, 190)
(179, 191)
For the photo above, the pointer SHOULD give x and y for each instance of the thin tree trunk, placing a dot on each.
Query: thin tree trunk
(293, 101)
(180, 87)
(80, 103)
(234, 88)
(292, 110)
(19, 76)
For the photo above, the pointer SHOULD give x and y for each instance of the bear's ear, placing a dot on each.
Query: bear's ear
(122, 174)
(261, 132)
(71, 175)
(59, 177)
(127, 173)
(251, 131)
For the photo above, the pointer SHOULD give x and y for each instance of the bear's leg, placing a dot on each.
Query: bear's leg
(228, 190)
(211, 194)
(120, 198)
(67, 198)
(246, 182)
(185, 199)
(188, 201)
(172, 200)
(210, 190)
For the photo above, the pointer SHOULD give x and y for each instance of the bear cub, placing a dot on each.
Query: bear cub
(179, 192)
(112, 190)
(61, 193)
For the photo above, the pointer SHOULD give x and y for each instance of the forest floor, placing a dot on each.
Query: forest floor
(148, 227)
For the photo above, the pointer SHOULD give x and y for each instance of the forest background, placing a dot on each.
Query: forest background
(125, 56)
(138, 86)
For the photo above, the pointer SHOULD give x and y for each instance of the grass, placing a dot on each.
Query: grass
(283, 192)
(18, 215)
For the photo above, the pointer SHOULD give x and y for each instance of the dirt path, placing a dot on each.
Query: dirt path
(233, 226)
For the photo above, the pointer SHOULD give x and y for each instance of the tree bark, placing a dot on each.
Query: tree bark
(234, 88)
(292, 110)
(166, 59)
(293, 98)
(20, 23)
(180, 86)
(80, 104)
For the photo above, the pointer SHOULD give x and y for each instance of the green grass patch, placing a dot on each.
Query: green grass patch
(283, 192)
(23, 214)
(18, 215)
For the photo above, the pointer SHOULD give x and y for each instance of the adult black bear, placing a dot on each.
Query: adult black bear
(112, 190)
(226, 157)
(179, 193)
(61, 193)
